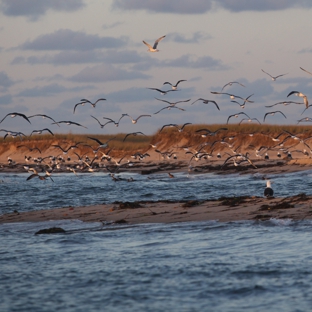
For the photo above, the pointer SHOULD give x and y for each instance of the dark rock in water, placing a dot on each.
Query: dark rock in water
(52, 230)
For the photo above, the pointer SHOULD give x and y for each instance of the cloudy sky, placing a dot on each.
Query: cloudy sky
(55, 53)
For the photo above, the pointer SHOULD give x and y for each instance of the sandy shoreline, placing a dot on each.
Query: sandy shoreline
(297, 207)
(224, 210)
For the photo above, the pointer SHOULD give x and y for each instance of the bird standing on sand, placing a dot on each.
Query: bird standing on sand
(154, 47)
(268, 191)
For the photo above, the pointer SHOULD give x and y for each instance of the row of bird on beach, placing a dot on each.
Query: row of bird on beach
(203, 151)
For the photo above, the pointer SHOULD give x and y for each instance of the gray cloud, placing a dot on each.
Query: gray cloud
(48, 90)
(66, 39)
(83, 57)
(197, 37)
(203, 6)
(165, 6)
(305, 50)
(5, 80)
(201, 62)
(263, 5)
(35, 8)
(5, 99)
(104, 73)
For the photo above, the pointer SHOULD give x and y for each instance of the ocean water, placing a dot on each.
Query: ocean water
(191, 266)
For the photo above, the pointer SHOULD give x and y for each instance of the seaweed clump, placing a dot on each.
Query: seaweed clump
(233, 201)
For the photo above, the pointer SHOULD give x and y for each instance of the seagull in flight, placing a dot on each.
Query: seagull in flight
(285, 103)
(116, 123)
(133, 133)
(250, 120)
(297, 93)
(305, 71)
(169, 107)
(173, 103)
(161, 91)
(175, 125)
(236, 115)
(231, 83)
(154, 47)
(101, 125)
(305, 119)
(272, 77)
(174, 87)
(272, 113)
(68, 122)
(84, 101)
(14, 115)
(43, 116)
(101, 144)
(206, 102)
(134, 121)
(232, 96)
(40, 131)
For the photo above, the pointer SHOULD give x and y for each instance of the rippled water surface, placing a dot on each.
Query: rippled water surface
(197, 266)
(87, 189)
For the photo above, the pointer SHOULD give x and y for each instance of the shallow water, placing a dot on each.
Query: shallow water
(197, 266)
(98, 188)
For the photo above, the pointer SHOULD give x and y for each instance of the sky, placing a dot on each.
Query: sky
(55, 53)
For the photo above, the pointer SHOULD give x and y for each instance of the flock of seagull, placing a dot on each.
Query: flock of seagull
(203, 151)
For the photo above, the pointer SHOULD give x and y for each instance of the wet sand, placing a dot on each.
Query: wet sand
(223, 210)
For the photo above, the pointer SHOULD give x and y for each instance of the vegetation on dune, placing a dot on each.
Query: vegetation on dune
(245, 135)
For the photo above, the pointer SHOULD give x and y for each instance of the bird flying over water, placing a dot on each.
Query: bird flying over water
(154, 47)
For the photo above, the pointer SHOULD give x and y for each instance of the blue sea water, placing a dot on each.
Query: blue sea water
(191, 266)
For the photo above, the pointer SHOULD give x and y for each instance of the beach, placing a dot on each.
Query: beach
(224, 209)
